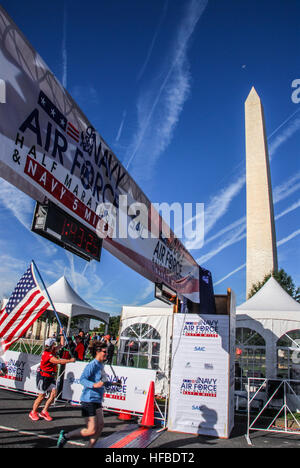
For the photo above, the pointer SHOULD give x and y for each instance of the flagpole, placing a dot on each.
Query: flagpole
(52, 305)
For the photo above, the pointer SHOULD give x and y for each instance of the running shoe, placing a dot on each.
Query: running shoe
(45, 415)
(34, 416)
(61, 442)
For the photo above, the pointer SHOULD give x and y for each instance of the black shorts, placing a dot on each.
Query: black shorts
(89, 409)
(45, 384)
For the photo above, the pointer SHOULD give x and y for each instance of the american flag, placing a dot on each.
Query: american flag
(26, 304)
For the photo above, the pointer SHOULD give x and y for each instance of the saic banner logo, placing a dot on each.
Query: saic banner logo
(140, 391)
(199, 387)
(204, 328)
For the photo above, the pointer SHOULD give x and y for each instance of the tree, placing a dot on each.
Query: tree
(113, 326)
(283, 279)
(100, 329)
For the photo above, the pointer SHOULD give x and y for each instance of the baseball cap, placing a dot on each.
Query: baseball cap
(50, 342)
(107, 336)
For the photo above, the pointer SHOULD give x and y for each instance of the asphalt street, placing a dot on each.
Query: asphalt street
(18, 431)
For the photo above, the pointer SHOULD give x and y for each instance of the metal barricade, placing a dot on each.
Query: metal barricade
(28, 346)
(277, 403)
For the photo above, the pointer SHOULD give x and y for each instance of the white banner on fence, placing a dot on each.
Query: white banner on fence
(22, 369)
(131, 396)
(199, 393)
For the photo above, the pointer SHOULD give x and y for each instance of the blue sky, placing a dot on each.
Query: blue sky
(164, 82)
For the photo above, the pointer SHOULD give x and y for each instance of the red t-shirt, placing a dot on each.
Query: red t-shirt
(47, 368)
(79, 350)
(66, 355)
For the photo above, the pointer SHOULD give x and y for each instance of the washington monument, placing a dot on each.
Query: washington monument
(261, 238)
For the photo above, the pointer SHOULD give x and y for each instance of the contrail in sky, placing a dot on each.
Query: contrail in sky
(279, 243)
(156, 127)
(283, 123)
(153, 41)
(230, 274)
(121, 125)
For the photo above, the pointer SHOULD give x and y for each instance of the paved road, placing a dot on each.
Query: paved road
(18, 431)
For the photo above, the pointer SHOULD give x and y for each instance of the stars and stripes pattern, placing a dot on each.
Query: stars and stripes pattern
(26, 304)
(55, 114)
(73, 132)
(52, 111)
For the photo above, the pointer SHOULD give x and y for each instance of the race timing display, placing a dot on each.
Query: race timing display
(53, 223)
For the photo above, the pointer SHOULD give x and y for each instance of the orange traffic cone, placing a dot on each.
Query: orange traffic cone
(148, 417)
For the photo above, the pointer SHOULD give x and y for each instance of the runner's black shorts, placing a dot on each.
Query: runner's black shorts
(89, 409)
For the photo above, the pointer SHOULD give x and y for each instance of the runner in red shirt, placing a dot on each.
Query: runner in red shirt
(46, 379)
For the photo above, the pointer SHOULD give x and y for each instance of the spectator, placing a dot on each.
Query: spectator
(134, 347)
(68, 350)
(110, 349)
(79, 350)
(86, 340)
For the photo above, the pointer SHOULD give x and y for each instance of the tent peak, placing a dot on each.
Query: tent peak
(273, 297)
(156, 303)
(68, 302)
(63, 292)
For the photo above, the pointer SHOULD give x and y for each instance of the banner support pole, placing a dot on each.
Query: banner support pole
(52, 305)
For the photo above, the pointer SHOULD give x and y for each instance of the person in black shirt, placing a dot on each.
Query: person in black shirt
(110, 349)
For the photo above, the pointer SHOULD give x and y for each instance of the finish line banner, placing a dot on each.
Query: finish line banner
(50, 151)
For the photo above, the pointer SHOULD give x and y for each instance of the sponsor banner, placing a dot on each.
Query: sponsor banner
(49, 150)
(22, 370)
(199, 389)
(131, 396)
(203, 327)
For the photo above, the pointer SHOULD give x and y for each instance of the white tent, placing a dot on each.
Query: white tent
(272, 313)
(158, 316)
(67, 302)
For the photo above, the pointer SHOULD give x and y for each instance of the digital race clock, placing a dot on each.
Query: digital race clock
(53, 223)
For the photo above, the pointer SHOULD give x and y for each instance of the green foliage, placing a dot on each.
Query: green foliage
(99, 329)
(283, 279)
(113, 326)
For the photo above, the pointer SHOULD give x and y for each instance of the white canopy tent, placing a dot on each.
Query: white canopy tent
(67, 302)
(272, 313)
(156, 318)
